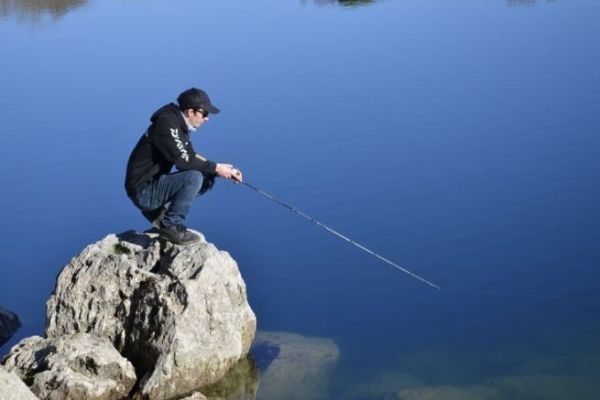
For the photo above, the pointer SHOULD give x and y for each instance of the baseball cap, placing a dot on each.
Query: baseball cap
(195, 98)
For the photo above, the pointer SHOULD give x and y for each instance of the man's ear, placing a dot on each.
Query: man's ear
(188, 113)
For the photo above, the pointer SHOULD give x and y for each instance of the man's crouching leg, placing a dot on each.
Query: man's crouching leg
(185, 186)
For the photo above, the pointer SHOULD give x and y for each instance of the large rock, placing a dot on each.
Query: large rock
(80, 366)
(13, 388)
(293, 366)
(9, 324)
(179, 313)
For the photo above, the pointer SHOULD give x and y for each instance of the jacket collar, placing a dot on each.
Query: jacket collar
(189, 126)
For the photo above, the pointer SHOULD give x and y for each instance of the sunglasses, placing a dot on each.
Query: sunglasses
(203, 112)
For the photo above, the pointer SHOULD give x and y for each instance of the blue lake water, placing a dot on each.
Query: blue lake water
(457, 138)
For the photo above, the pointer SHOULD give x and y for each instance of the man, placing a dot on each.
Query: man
(165, 197)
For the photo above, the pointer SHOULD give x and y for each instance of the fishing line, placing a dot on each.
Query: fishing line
(336, 233)
(410, 273)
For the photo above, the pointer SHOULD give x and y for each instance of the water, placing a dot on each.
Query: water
(459, 139)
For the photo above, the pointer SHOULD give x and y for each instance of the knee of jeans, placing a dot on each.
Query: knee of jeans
(194, 178)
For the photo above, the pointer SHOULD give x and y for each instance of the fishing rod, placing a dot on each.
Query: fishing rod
(406, 271)
(336, 233)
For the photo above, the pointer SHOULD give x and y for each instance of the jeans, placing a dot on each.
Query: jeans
(178, 188)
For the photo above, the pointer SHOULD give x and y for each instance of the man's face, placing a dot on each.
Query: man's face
(197, 117)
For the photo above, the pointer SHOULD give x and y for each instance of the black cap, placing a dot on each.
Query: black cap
(195, 98)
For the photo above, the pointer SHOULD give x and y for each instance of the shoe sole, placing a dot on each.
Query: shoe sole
(168, 239)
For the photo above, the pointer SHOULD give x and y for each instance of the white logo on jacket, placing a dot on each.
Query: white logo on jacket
(182, 150)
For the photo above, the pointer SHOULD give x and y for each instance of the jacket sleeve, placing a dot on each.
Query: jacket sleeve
(177, 149)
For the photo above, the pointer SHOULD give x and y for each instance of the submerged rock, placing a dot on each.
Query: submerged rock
(296, 367)
(179, 313)
(13, 388)
(544, 387)
(475, 392)
(80, 366)
(548, 387)
(240, 383)
(9, 324)
(382, 386)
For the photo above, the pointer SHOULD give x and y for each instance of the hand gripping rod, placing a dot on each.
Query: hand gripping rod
(347, 239)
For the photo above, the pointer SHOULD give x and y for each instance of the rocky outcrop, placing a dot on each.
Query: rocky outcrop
(178, 313)
(9, 324)
(80, 366)
(294, 366)
(13, 388)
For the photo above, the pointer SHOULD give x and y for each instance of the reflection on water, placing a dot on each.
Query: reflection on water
(241, 382)
(354, 3)
(526, 2)
(348, 3)
(292, 366)
(36, 9)
(281, 366)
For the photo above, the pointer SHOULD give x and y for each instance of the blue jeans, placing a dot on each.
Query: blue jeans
(178, 188)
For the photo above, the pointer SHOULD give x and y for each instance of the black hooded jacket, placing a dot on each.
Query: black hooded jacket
(164, 144)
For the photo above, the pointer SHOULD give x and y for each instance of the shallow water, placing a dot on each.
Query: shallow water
(459, 139)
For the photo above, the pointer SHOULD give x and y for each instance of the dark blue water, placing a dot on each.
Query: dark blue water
(459, 139)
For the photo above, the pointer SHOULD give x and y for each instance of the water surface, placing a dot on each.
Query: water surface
(459, 139)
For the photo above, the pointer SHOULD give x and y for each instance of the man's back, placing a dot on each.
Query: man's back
(147, 160)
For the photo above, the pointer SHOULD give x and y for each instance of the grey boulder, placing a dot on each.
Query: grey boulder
(80, 366)
(13, 388)
(179, 313)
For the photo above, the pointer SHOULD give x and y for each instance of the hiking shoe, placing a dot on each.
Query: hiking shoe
(177, 234)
